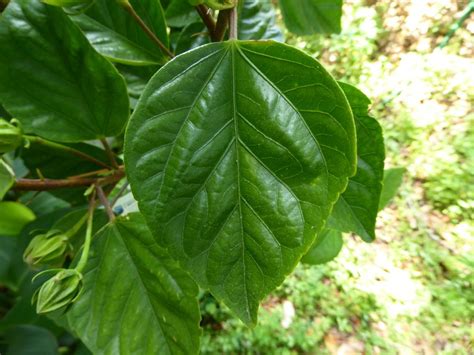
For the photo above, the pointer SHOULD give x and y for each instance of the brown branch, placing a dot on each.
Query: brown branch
(105, 202)
(222, 24)
(67, 149)
(55, 184)
(208, 20)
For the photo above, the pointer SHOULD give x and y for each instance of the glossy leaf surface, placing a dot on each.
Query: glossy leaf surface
(116, 35)
(53, 81)
(6, 178)
(392, 180)
(136, 299)
(357, 208)
(14, 216)
(236, 153)
(306, 17)
(257, 20)
(326, 248)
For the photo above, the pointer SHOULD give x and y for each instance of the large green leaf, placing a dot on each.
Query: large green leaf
(357, 208)
(53, 81)
(14, 216)
(117, 36)
(7, 178)
(392, 180)
(306, 17)
(257, 20)
(326, 247)
(136, 299)
(236, 153)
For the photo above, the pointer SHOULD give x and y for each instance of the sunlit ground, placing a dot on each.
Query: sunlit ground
(411, 291)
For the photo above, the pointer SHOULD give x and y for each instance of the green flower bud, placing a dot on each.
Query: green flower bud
(10, 136)
(59, 291)
(47, 249)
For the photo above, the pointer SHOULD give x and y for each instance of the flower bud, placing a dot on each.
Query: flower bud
(46, 249)
(10, 136)
(59, 291)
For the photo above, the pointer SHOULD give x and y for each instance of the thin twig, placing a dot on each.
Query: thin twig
(55, 184)
(105, 202)
(91, 173)
(208, 20)
(87, 242)
(66, 149)
(110, 153)
(119, 194)
(129, 8)
(234, 22)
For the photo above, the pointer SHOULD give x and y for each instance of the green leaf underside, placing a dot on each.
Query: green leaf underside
(116, 35)
(6, 178)
(357, 208)
(306, 17)
(136, 299)
(59, 89)
(257, 21)
(326, 248)
(236, 153)
(392, 180)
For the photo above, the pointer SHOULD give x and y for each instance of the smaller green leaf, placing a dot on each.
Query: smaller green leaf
(7, 178)
(117, 36)
(392, 181)
(14, 217)
(306, 17)
(136, 299)
(357, 208)
(53, 81)
(326, 247)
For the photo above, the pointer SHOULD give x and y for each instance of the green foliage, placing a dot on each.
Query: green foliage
(114, 33)
(326, 247)
(356, 210)
(237, 153)
(228, 175)
(14, 217)
(60, 89)
(307, 17)
(392, 180)
(148, 291)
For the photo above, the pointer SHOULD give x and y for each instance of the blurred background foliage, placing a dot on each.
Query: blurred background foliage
(411, 291)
